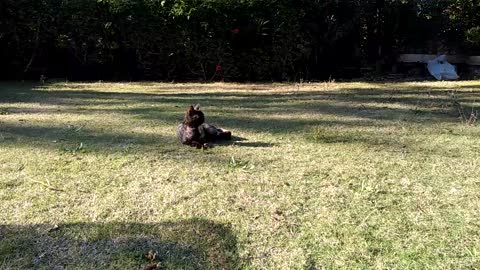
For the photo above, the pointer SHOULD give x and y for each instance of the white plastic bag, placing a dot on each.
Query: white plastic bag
(441, 69)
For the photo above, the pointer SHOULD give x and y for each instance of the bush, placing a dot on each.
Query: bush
(249, 40)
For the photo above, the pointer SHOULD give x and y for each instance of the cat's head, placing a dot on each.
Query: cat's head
(194, 117)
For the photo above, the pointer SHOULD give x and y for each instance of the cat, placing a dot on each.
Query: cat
(195, 132)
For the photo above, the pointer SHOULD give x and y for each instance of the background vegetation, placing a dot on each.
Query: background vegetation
(250, 39)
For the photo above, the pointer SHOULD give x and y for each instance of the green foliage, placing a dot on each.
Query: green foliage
(250, 40)
(473, 36)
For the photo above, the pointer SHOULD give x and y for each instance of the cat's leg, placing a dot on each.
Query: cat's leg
(196, 144)
(210, 133)
(225, 134)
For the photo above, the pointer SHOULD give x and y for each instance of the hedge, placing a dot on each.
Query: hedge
(234, 40)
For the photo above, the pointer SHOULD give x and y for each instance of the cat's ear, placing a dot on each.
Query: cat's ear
(190, 110)
(197, 107)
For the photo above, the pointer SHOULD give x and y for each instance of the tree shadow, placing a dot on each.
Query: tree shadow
(432, 100)
(188, 244)
(253, 107)
(77, 138)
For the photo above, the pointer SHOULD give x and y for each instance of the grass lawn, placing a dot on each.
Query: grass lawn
(319, 176)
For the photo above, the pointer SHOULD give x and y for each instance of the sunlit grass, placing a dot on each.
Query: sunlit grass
(325, 175)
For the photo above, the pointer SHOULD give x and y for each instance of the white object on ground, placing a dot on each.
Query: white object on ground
(441, 69)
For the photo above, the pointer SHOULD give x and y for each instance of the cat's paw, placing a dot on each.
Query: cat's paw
(207, 145)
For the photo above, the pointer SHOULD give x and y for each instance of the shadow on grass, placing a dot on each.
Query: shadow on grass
(187, 244)
(361, 102)
(237, 108)
(254, 144)
(242, 142)
(77, 139)
(72, 138)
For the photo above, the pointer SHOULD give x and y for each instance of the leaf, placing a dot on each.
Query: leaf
(47, 185)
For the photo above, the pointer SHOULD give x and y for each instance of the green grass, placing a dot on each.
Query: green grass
(322, 176)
